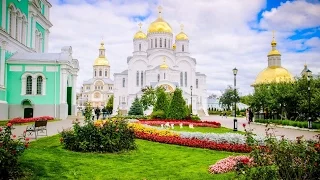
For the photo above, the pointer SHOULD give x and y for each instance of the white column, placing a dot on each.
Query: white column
(46, 40)
(13, 20)
(33, 36)
(4, 14)
(63, 85)
(2, 63)
(19, 27)
(74, 93)
(29, 33)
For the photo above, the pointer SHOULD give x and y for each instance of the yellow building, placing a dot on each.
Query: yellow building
(274, 72)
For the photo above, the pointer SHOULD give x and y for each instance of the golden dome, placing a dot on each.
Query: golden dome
(164, 65)
(140, 35)
(274, 52)
(174, 46)
(273, 74)
(159, 25)
(181, 35)
(101, 60)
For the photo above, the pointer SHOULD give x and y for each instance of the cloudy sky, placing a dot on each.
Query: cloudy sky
(223, 34)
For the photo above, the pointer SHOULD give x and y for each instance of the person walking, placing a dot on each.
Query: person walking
(104, 113)
(93, 114)
(250, 116)
(97, 111)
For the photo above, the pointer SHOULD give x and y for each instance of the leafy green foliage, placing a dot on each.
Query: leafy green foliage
(109, 106)
(228, 98)
(159, 114)
(136, 108)
(10, 151)
(300, 124)
(248, 99)
(88, 111)
(149, 96)
(177, 108)
(112, 136)
(162, 103)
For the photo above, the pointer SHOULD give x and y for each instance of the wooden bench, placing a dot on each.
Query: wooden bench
(36, 127)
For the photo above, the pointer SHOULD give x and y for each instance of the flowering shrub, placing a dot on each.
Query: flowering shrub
(229, 164)
(150, 130)
(107, 136)
(11, 148)
(184, 123)
(19, 120)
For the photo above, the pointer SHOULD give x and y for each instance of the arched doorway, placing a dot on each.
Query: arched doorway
(27, 108)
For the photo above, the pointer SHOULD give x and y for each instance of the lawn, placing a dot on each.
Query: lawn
(206, 129)
(48, 160)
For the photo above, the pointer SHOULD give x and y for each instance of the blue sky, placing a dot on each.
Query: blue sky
(223, 34)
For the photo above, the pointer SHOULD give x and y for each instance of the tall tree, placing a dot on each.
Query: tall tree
(177, 108)
(109, 106)
(136, 108)
(228, 98)
(162, 102)
(149, 96)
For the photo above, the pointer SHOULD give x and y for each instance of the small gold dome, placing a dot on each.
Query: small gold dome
(174, 46)
(159, 25)
(101, 61)
(274, 52)
(164, 65)
(273, 74)
(182, 36)
(140, 35)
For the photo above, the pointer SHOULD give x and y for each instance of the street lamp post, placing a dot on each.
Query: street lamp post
(235, 121)
(191, 100)
(309, 74)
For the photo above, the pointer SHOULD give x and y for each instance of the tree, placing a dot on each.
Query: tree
(109, 106)
(136, 108)
(246, 99)
(177, 108)
(149, 96)
(228, 98)
(88, 111)
(162, 103)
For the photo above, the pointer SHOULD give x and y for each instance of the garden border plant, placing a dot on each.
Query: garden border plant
(300, 124)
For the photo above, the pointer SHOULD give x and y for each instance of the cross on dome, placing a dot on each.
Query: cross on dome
(160, 11)
(181, 27)
(273, 32)
(140, 25)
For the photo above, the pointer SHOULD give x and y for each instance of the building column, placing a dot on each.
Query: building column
(2, 63)
(33, 36)
(29, 32)
(13, 20)
(4, 14)
(63, 85)
(74, 94)
(46, 40)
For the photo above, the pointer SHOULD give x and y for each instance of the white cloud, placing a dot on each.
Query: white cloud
(219, 33)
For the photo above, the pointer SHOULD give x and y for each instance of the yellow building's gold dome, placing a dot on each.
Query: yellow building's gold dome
(182, 36)
(101, 60)
(140, 35)
(159, 25)
(273, 74)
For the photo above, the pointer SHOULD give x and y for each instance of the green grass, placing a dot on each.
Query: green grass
(3, 122)
(48, 160)
(206, 129)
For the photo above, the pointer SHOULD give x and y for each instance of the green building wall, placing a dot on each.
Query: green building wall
(22, 5)
(14, 86)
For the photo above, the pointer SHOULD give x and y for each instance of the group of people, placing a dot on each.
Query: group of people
(97, 112)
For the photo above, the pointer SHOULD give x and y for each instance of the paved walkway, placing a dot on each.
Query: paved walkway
(260, 129)
(58, 126)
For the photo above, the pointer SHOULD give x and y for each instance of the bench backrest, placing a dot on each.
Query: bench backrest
(40, 123)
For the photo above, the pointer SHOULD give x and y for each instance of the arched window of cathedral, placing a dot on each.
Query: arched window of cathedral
(140, 47)
(95, 73)
(160, 42)
(164, 75)
(158, 77)
(39, 85)
(165, 43)
(141, 78)
(197, 83)
(137, 78)
(156, 45)
(123, 82)
(181, 79)
(182, 48)
(151, 43)
(100, 73)
(185, 79)
(29, 85)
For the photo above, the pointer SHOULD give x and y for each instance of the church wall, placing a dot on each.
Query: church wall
(42, 31)
(22, 5)
(136, 65)
(14, 85)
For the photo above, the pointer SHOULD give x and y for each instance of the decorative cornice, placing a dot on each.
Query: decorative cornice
(8, 38)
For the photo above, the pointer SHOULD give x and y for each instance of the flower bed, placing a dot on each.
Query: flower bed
(184, 123)
(229, 164)
(19, 120)
(194, 142)
(151, 130)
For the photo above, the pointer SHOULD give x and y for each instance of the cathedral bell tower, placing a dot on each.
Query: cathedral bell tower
(101, 67)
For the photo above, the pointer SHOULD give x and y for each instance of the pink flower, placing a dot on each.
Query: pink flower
(27, 139)
(0, 129)
(244, 125)
(9, 124)
(14, 136)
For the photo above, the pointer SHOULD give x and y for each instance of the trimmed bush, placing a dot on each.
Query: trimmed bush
(300, 124)
(158, 114)
(177, 108)
(136, 108)
(110, 136)
(162, 104)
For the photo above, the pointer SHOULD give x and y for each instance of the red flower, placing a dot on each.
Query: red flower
(0, 129)
(9, 124)
(27, 139)
(245, 160)
(14, 136)
(244, 125)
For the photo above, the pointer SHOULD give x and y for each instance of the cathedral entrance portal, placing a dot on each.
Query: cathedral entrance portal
(168, 87)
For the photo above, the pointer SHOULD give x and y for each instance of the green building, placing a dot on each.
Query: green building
(33, 82)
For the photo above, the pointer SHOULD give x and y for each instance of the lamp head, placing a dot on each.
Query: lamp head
(191, 87)
(235, 71)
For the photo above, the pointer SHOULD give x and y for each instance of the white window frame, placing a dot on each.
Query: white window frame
(34, 84)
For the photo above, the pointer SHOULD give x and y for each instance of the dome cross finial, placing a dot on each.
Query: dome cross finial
(160, 11)
(140, 25)
(273, 32)
(181, 27)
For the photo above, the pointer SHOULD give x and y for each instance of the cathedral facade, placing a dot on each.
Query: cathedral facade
(99, 88)
(33, 82)
(160, 59)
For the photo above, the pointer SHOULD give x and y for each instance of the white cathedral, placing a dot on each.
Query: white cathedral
(160, 60)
